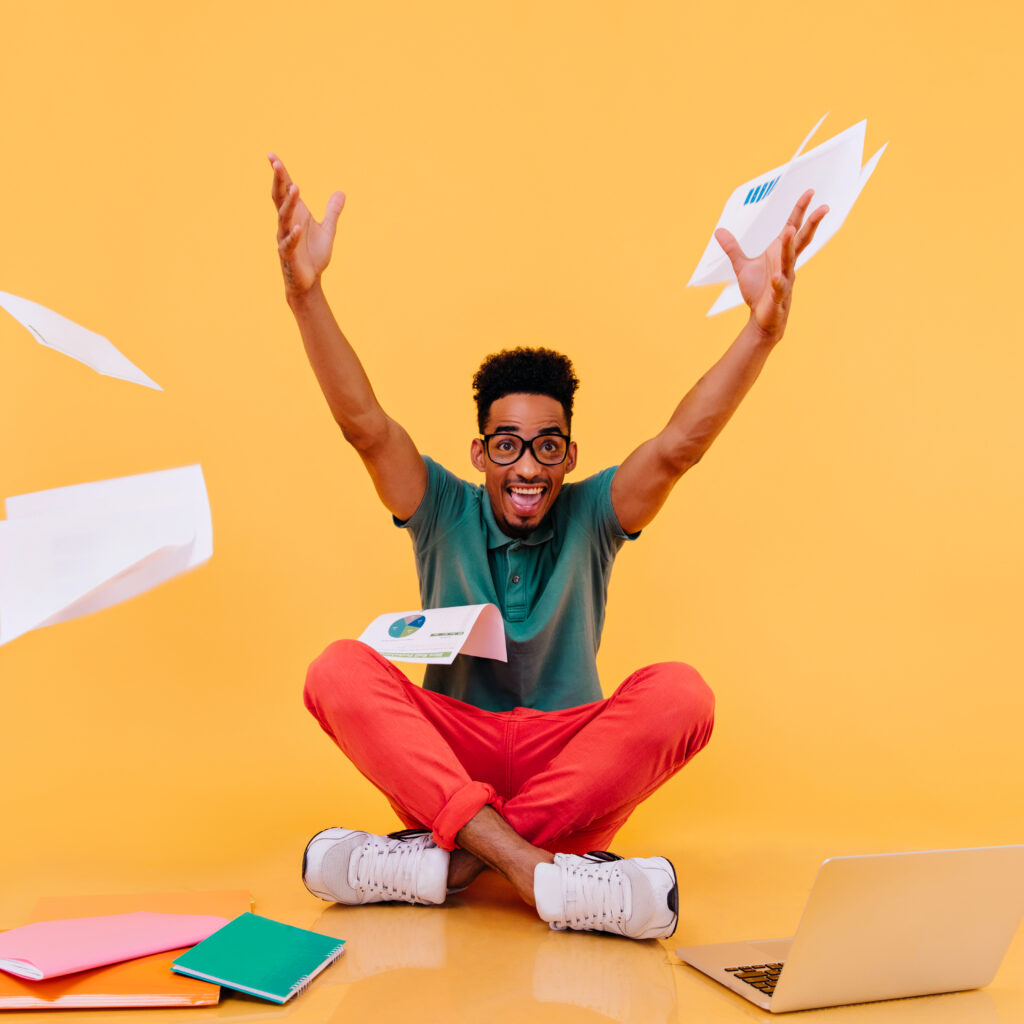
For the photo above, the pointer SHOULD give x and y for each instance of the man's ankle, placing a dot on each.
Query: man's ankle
(463, 868)
(494, 842)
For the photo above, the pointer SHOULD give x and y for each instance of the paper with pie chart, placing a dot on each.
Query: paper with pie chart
(436, 636)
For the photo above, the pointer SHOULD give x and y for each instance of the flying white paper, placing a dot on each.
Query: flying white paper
(73, 550)
(758, 210)
(437, 635)
(58, 332)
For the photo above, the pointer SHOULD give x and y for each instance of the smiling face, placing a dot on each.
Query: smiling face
(522, 494)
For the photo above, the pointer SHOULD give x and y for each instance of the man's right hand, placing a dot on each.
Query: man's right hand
(303, 244)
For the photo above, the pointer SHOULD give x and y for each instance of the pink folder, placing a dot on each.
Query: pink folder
(49, 949)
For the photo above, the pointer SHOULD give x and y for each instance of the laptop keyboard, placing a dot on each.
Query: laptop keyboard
(762, 976)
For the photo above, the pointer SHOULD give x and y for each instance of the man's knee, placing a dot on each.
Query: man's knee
(337, 678)
(680, 705)
(674, 688)
(687, 691)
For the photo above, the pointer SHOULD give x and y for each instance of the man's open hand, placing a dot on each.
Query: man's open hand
(303, 244)
(766, 281)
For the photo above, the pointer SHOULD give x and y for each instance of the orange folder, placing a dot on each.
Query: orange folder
(146, 981)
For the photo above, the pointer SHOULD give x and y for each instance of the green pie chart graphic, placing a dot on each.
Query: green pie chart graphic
(406, 625)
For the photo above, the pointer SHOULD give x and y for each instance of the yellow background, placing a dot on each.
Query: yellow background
(844, 567)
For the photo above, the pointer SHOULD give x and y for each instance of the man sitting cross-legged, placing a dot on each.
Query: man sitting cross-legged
(521, 766)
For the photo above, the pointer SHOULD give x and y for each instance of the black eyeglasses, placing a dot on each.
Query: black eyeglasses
(547, 449)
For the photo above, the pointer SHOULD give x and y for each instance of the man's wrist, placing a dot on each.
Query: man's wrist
(767, 337)
(301, 300)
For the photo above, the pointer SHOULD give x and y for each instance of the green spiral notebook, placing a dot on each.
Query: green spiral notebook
(260, 956)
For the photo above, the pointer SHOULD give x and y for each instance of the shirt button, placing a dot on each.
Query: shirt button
(515, 579)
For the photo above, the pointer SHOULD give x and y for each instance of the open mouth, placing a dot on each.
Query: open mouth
(526, 499)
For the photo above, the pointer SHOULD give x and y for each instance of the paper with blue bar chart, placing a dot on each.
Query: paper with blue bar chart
(758, 209)
(436, 636)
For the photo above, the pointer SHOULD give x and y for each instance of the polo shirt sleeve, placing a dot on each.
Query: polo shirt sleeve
(596, 501)
(445, 502)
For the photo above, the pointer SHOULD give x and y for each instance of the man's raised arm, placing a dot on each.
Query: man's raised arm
(646, 478)
(305, 246)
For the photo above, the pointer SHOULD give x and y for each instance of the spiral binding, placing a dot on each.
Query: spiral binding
(303, 983)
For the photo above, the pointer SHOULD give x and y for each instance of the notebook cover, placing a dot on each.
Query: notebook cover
(52, 949)
(146, 981)
(263, 957)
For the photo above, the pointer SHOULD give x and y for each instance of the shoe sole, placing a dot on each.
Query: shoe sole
(673, 900)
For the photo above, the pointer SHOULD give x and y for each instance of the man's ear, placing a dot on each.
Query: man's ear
(477, 455)
(570, 458)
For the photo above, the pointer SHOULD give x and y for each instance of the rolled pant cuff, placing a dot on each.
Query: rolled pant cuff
(459, 809)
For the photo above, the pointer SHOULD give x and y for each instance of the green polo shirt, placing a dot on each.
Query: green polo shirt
(551, 587)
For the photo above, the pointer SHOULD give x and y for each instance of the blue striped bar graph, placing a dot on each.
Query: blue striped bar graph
(758, 192)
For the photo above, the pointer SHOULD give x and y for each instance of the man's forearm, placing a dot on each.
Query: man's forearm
(338, 370)
(711, 402)
(646, 478)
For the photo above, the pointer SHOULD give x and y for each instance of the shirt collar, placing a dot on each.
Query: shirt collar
(496, 537)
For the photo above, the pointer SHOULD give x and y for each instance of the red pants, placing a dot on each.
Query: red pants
(564, 780)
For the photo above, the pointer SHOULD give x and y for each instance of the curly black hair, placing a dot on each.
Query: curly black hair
(531, 371)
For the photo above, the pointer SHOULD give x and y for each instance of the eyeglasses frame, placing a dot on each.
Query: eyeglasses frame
(527, 446)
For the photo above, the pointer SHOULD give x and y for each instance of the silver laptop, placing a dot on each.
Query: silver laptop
(883, 926)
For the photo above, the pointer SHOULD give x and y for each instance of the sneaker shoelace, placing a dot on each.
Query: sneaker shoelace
(596, 893)
(387, 866)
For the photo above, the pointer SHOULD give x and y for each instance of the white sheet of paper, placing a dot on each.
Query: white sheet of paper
(436, 635)
(58, 332)
(757, 211)
(73, 550)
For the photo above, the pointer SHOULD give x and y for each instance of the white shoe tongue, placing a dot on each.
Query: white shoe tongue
(547, 891)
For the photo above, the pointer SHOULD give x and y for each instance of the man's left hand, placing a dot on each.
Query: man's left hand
(766, 281)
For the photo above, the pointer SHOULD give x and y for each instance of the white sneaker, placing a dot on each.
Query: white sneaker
(345, 866)
(637, 897)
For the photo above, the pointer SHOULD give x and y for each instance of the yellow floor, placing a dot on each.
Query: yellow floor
(486, 958)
